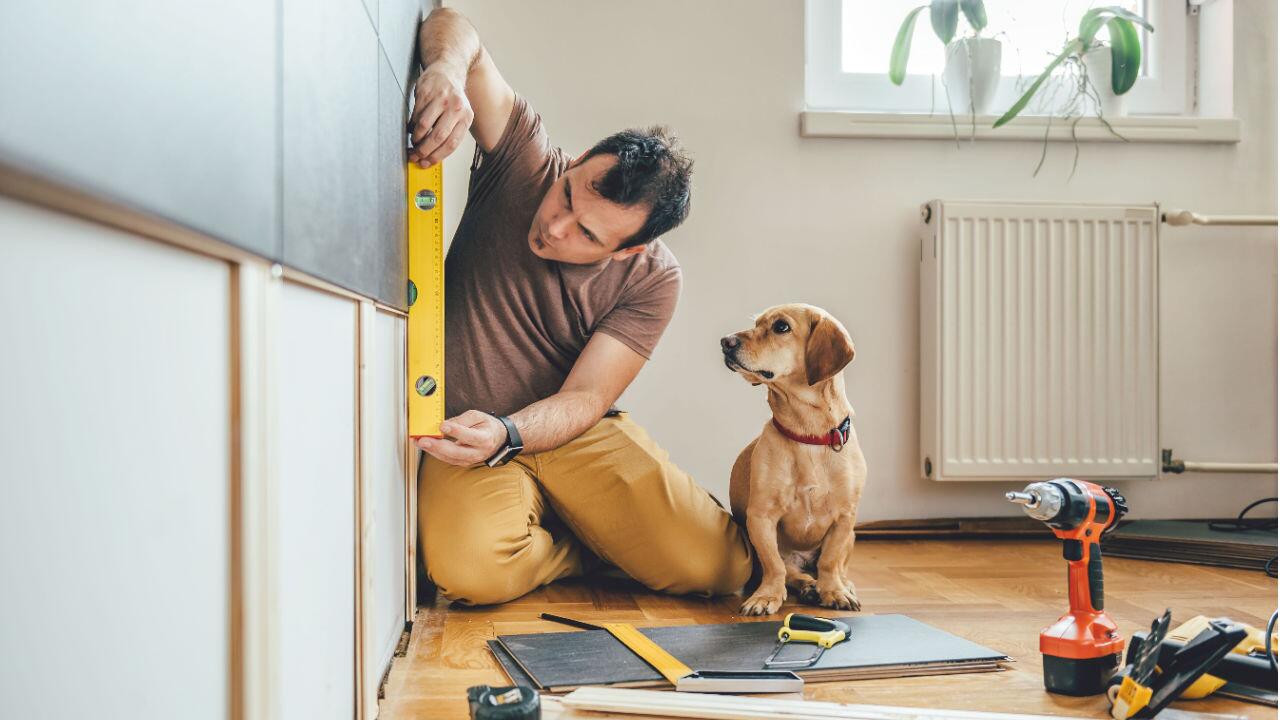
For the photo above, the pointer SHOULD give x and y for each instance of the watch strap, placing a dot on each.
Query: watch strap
(513, 446)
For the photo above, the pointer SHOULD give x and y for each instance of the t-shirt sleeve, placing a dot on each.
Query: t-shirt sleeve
(644, 311)
(520, 158)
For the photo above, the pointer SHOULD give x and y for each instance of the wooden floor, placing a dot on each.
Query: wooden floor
(997, 593)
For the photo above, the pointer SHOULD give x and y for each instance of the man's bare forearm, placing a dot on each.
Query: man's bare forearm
(554, 421)
(447, 41)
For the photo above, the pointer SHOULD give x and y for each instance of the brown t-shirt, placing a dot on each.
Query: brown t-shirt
(516, 322)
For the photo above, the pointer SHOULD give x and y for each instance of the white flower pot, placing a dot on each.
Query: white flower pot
(1097, 63)
(972, 74)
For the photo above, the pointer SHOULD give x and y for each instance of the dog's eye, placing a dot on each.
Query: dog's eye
(781, 326)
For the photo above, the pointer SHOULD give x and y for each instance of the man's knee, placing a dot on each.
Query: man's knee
(475, 532)
(466, 572)
(721, 570)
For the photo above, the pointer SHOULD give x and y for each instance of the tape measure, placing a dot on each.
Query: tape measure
(425, 330)
(504, 703)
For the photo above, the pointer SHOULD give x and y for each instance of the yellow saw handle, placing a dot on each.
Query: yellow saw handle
(824, 632)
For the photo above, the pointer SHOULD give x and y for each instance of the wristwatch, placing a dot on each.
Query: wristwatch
(513, 447)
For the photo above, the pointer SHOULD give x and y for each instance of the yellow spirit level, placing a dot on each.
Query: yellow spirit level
(425, 332)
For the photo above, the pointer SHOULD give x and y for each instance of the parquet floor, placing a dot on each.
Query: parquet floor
(999, 593)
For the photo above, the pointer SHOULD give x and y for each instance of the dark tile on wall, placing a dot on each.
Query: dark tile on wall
(125, 101)
(392, 250)
(331, 168)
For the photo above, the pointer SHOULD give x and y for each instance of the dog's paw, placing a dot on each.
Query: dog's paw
(808, 594)
(839, 597)
(853, 592)
(763, 602)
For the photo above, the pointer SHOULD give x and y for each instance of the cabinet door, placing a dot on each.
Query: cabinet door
(317, 535)
(115, 519)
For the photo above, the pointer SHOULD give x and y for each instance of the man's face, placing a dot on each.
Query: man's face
(575, 225)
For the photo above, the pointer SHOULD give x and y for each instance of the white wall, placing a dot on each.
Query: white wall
(778, 218)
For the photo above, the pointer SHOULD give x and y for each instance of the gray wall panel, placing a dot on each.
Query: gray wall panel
(391, 251)
(170, 107)
(331, 65)
(398, 30)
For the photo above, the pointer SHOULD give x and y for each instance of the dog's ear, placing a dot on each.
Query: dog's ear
(827, 351)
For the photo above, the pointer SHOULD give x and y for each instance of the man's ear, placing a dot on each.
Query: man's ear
(827, 351)
(633, 250)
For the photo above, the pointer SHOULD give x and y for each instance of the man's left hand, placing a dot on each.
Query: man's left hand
(470, 438)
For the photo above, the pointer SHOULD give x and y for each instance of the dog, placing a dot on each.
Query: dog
(796, 487)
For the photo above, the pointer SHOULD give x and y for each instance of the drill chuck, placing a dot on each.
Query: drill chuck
(1041, 500)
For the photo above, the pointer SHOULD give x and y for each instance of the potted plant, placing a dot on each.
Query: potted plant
(1099, 72)
(972, 71)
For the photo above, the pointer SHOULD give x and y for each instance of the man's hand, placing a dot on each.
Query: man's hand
(441, 115)
(470, 438)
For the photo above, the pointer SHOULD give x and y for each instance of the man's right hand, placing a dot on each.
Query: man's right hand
(459, 89)
(441, 115)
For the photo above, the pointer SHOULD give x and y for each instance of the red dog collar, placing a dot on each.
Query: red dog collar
(834, 439)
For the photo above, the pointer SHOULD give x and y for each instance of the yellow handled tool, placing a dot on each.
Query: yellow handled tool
(425, 340)
(798, 627)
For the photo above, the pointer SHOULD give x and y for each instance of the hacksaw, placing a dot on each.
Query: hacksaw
(425, 330)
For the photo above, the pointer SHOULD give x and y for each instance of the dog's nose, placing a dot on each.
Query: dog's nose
(730, 342)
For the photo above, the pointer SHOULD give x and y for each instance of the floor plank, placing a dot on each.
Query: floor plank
(998, 593)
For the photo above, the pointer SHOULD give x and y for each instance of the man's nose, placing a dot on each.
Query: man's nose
(559, 227)
(729, 343)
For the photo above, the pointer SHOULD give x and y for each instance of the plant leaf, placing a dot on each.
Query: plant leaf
(945, 16)
(1018, 106)
(1091, 22)
(1126, 54)
(975, 12)
(902, 47)
(1131, 17)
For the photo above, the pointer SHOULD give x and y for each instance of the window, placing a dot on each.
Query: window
(848, 43)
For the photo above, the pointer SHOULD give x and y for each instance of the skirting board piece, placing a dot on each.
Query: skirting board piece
(586, 702)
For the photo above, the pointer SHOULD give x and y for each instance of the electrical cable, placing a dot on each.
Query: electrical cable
(1241, 523)
(1271, 626)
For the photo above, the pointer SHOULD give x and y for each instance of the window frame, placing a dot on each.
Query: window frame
(827, 87)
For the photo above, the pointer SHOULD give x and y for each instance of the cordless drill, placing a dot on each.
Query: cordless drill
(1082, 649)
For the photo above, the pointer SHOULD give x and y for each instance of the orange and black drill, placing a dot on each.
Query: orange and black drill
(1082, 650)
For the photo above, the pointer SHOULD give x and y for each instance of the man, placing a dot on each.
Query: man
(557, 289)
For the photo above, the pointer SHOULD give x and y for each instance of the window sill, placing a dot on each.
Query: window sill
(1139, 128)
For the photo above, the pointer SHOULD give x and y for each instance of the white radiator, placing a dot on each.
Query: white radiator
(1038, 341)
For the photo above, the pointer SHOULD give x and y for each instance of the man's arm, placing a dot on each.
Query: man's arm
(459, 89)
(604, 369)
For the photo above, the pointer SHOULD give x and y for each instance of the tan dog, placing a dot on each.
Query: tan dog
(797, 485)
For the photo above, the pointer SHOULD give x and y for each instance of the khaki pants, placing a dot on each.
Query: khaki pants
(493, 534)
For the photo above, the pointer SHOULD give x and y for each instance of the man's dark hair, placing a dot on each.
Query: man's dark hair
(653, 170)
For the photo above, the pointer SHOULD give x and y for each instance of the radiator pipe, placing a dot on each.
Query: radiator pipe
(1176, 216)
(1172, 465)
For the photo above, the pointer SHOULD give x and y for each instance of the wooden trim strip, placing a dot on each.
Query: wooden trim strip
(366, 649)
(726, 707)
(38, 190)
(297, 276)
(256, 671)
